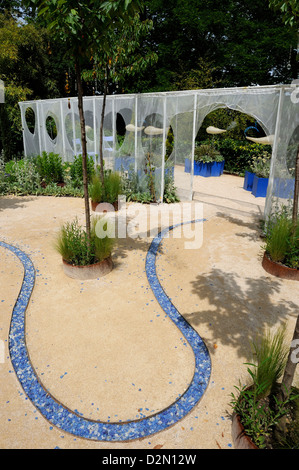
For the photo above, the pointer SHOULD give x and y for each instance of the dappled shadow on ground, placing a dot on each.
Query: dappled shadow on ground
(13, 202)
(238, 309)
(254, 224)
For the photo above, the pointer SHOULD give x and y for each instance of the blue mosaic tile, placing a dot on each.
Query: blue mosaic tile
(71, 421)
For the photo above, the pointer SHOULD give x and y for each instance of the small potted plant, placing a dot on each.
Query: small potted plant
(208, 161)
(106, 194)
(83, 258)
(281, 256)
(263, 417)
(261, 168)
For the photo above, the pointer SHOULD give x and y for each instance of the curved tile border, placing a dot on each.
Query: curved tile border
(68, 420)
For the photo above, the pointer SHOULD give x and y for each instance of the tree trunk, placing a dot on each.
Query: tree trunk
(296, 192)
(84, 151)
(290, 368)
(102, 127)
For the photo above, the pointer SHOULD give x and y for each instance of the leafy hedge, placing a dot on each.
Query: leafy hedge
(238, 155)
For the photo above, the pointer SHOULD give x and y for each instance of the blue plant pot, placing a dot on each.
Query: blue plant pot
(205, 169)
(124, 163)
(284, 188)
(248, 181)
(259, 186)
(217, 168)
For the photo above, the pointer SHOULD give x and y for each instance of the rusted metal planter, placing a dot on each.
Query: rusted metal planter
(240, 438)
(279, 270)
(91, 271)
(103, 207)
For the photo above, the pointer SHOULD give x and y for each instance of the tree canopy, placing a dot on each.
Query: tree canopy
(197, 44)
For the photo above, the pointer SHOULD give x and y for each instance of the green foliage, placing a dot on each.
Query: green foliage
(170, 195)
(123, 56)
(76, 170)
(169, 143)
(72, 243)
(132, 187)
(112, 186)
(234, 122)
(60, 191)
(22, 179)
(50, 167)
(258, 404)
(207, 153)
(238, 155)
(196, 78)
(96, 189)
(110, 191)
(289, 10)
(277, 238)
(135, 190)
(28, 73)
(246, 41)
(261, 417)
(270, 353)
(260, 165)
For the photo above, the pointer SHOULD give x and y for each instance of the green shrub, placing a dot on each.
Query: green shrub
(50, 167)
(170, 195)
(238, 154)
(260, 165)
(25, 178)
(76, 170)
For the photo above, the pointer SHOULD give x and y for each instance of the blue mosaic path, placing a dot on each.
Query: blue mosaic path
(66, 419)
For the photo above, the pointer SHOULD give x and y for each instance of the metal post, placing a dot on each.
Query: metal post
(94, 129)
(23, 129)
(163, 149)
(113, 132)
(268, 202)
(74, 131)
(136, 122)
(62, 131)
(38, 125)
(193, 147)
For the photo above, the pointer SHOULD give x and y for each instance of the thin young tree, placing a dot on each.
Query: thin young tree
(123, 58)
(83, 27)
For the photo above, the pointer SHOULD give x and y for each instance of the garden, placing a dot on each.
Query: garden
(106, 339)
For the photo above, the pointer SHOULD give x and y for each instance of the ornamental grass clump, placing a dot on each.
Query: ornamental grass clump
(278, 237)
(73, 245)
(107, 192)
(270, 353)
(282, 240)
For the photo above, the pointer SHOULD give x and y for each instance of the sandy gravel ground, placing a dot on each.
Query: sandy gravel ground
(104, 347)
